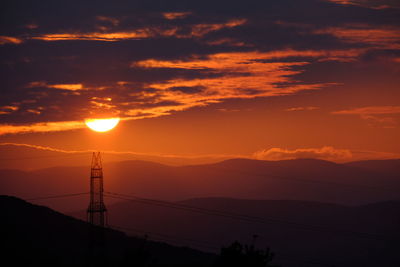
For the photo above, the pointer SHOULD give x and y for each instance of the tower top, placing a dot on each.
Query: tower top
(96, 160)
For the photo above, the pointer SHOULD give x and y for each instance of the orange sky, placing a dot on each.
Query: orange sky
(186, 82)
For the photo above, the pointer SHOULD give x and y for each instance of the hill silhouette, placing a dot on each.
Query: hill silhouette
(303, 179)
(38, 236)
(341, 235)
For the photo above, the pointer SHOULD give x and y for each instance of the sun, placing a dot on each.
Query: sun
(102, 125)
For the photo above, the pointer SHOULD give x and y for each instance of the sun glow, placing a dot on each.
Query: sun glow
(102, 125)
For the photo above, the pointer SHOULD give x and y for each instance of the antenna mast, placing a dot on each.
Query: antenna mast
(96, 212)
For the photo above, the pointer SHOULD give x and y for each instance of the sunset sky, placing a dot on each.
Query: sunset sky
(272, 80)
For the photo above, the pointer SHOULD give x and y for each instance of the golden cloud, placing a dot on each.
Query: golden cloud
(10, 40)
(328, 153)
(324, 153)
(71, 87)
(8, 109)
(63, 86)
(41, 127)
(94, 36)
(245, 76)
(197, 30)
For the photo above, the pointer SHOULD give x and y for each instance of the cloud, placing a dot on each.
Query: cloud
(382, 4)
(69, 86)
(383, 37)
(145, 61)
(10, 40)
(375, 115)
(94, 36)
(177, 31)
(237, 75)
(176, 15)
(41, 127)
(302, 108)
(218, 77)
(325, 153)
(44, 148)
(8, 109)
(110, 20)
(174, 159)
(371, 110)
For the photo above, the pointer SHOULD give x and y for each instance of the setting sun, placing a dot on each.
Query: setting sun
(102, 125)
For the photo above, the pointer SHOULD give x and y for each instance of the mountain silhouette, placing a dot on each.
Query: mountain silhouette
(388, 167)
(31, 157)
(302, 179)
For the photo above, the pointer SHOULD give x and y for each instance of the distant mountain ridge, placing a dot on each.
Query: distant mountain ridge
(32, 157)
(302, 179)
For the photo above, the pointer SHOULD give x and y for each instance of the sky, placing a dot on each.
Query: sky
(266, 80)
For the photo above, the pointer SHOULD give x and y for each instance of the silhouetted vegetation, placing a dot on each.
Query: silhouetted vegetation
(38, 236)
(137, 256)
(244, 256)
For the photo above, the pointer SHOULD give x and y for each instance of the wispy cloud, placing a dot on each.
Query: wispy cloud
(44, 148)
(242, 75)
(382, 37)
(124, 155)
(370, 110)
(8, 109)
(10, 40)
(41, 127)
(383, 4)
(195, 30)
(111, 20)
(68, 86)
(221, 76)
(94, 36)
(375, 115)
(176, 15)
(302, 108)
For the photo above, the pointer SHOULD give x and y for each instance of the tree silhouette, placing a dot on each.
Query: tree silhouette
(244, 256)
(137, 256)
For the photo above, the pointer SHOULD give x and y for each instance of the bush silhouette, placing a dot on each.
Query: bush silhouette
(244, 256)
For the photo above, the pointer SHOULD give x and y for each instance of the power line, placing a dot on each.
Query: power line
(192, 242)
(204, 244)
(57, 196)
(235, 216)
(208, 245)
(248, 218)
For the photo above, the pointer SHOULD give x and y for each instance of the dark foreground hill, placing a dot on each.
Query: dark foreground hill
(38, 236)
(339, 235)
(302, 179)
